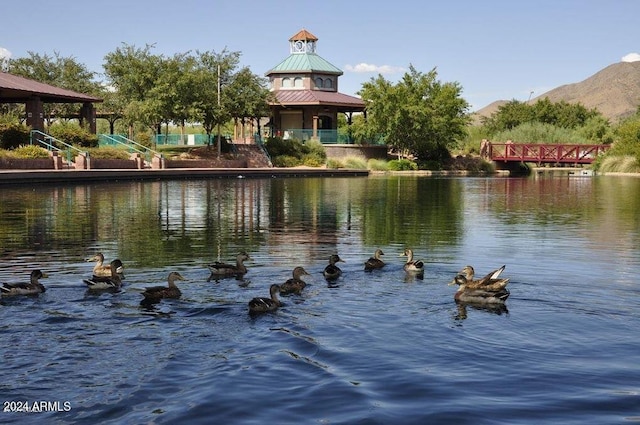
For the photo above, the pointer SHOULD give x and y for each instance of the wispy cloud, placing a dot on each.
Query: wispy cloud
(631, 57)
(371, 68)
(4, 53)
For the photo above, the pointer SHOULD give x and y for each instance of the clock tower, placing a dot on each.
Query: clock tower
(303, 42)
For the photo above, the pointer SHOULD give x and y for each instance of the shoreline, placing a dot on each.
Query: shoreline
(107, 175)
(66, 176)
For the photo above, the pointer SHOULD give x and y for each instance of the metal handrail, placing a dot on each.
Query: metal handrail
(48, 141)
(132, 145)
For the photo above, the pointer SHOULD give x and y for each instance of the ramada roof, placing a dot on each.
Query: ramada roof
(19, 89)
(304, 62)
(317, 97)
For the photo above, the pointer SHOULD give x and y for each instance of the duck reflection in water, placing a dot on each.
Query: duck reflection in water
(498, 309)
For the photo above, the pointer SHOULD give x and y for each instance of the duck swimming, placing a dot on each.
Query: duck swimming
(263, 305)
(34, 287)
(114, 281)
(491, 282)
(156, 293)
(219, 269)
(332, 272)
(478, 296)
(374, 262)
(102, 270)
(412, 266)
(294, 285)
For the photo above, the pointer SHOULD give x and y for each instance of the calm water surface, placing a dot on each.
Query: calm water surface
(372, 348)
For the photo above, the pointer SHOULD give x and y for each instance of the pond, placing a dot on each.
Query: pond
(370, 348)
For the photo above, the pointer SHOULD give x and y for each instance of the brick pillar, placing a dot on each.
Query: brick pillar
(88, 115)
(35, 114)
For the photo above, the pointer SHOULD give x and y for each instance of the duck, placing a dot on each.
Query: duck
(263, 305)
(156, 293)
(114, 281)
(219, 269)
(332, 272)
(374, 262)
(412, 266)
(468, 295)
(294, 285)
(491, 282)
(102, 270)
(34, 287)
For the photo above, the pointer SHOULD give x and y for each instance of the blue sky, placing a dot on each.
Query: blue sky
(502, 49)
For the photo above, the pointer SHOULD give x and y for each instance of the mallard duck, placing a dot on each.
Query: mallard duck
(219, 269)
(374, 262)
(114, 281)
(412, 266)
(263, 305)
(104, 270)
(294, 285)
(156, 293)
(332, 272)
(491, 282)
(478, 296)
(32, 288)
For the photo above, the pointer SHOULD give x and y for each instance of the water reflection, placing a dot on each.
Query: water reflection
(158, 222)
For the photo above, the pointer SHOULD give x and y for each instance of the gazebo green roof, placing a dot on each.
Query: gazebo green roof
(304, 62)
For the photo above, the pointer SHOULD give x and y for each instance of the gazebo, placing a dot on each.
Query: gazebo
(306, 92)
(15, 89)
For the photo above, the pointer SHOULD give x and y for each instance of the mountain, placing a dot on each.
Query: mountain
(614, 91)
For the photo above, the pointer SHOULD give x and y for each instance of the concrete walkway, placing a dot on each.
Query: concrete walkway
(80, 176)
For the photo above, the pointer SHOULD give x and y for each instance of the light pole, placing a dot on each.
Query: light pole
(530, 93)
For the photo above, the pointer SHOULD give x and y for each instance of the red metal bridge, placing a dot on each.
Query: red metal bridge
(541, 153)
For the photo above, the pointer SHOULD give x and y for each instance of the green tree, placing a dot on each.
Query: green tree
(508, 116)
(214, 73)
(420, 115)
(133, 73)
(247, 97)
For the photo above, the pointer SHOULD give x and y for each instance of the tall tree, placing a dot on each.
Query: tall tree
(133, 73)
(248, 97)
(214, 73)
(419, 115)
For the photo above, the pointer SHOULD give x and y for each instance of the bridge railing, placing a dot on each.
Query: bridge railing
(543, 153)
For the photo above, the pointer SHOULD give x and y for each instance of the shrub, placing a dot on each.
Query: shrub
(108, 153)
(313, 159)
(30, 152)
(73, 134)
(13, 135)
(286, 161)
(355, 163)
(334, 164)
(377, 164)
(403, 165)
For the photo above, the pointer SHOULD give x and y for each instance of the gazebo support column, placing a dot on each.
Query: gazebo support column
(88, 114)
(35, 114)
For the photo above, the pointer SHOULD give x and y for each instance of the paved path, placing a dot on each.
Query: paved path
(54, 176)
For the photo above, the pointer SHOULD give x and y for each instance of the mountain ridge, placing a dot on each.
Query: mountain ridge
(614, 91)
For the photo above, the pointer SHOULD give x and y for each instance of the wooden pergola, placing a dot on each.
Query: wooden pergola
(34, 94)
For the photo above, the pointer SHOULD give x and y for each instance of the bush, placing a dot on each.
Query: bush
(108, 153)
(285, 161)
(13, 135)
(313, 159)
(73, 134)
(31, 152)
(355, 163)
(334, 164)
(377, 164)
(291, 152)
(402, 165)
